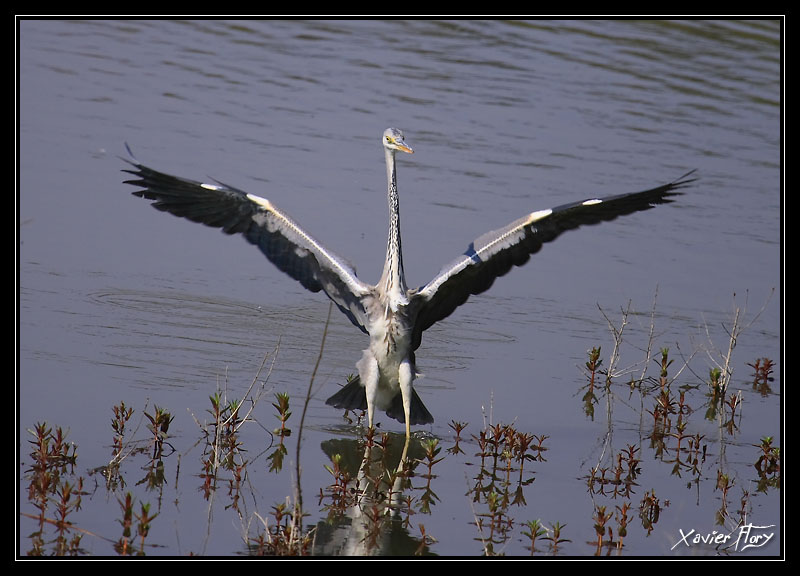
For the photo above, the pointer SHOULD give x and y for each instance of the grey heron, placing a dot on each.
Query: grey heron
(393, 315)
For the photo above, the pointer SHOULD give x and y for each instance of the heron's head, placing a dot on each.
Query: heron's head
(393, 140)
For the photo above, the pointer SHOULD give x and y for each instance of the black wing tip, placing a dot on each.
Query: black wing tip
(666, 194)
(131, 159)
(137, 171)
(684, 181)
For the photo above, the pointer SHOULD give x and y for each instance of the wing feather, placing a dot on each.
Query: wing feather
(284, 243)
(495, 253)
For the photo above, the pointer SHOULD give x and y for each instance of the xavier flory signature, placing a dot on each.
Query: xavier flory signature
(746, 536)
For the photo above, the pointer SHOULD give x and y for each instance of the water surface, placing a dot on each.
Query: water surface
(118, 302)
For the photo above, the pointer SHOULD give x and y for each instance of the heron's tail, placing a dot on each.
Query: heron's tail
(353, 396)
(419, 414)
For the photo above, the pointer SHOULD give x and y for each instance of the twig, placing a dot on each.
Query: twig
(615, 354)
(298, 491)
(649, 351)
(254, 400)
(69, 527)
(733, 335)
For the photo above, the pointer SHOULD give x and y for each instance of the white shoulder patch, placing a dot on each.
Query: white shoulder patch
(538, 215)
(260, 201)
(211, 187)
(592, 202)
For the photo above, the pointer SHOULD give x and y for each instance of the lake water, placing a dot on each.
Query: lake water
(119, 302)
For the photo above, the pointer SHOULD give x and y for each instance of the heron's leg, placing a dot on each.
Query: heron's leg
(368, 369)
(369, 373)
(406, 379)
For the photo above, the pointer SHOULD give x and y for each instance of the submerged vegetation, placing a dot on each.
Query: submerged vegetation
(373, 503)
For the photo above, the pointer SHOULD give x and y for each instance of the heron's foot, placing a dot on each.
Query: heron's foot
(401, 465)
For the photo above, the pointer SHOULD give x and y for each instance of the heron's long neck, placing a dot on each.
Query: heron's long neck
(393, 280)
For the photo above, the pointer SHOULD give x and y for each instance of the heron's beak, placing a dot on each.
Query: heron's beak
(402, 146)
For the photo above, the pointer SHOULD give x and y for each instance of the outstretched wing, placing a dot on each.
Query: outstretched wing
(493, 254)
(286, 245)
